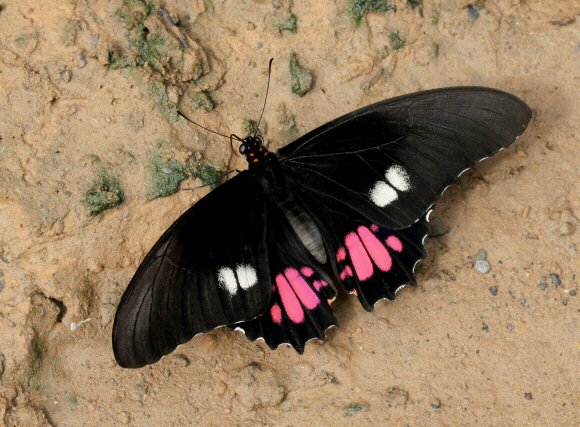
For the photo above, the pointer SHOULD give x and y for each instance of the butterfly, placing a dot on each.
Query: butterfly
(344, 206)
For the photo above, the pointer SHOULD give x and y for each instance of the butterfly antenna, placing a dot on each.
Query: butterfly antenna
(203, 127)
(267, 88)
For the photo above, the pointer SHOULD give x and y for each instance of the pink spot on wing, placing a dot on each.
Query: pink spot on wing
(341, 254)
(273, 288)
(394, 243)
(307, 296)
(276, 313)
(360, 259)
(319, 284)
(347, 272)
(375, 227)
(306, 271)
(354, 291)
(289, 300)
(376, 249)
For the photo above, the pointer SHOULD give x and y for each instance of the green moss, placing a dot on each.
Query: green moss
(435, 16)
(207, 174)
(249, 127)
(414, 3)
(301, 77)
(287, 25)
(359, 8)
(105, 193)
(383, 53)
(158, 93)
(133, 12)
(202, 99)
(70, 30)
(117, 61)
(151, 49)
(397, 42)
(353, 408)
(166, 177)
(291, 128)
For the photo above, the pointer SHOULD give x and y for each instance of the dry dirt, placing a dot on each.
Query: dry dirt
(448, 352)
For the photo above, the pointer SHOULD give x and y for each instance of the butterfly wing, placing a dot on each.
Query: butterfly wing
(391, 160)
(369, 178)
(369, 259)
(209, 269)
(299, 309)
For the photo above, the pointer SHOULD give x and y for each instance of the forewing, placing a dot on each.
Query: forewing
(390, 161)
(209, 269)
(299, 309)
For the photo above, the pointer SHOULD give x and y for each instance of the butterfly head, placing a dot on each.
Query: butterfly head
(253, 148)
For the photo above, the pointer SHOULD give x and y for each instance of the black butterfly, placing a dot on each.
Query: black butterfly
(344, 205)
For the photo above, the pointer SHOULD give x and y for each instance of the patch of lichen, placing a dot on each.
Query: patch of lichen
(105, 193)
(207, 174)
(250, 127)
(133, 12)
(288, 24)
(301, 77)
(166, 176)
(414, 3)
(203, 100)
(359, 8)
(170, 54)
(70, 30)
(397, 42)
(157, 91)
(158, 47)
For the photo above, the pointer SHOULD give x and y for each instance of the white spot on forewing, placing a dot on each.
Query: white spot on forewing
(227, 280)
(382, 194)
(398, 178)
(246, 275)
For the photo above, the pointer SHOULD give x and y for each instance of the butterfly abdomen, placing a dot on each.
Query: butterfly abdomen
(304, 226)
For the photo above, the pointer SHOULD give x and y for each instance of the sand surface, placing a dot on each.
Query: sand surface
(449, 352)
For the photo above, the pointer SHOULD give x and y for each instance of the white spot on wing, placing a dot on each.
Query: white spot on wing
(398, 178)
(246, 276)
(227, 280)
(382, 194)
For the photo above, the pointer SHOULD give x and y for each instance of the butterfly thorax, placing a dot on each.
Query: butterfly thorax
(266, 168)
(253, 148)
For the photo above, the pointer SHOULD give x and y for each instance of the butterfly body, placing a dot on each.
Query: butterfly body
(342, 206)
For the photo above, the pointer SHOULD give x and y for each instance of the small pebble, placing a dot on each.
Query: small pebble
(493, 290)
(436, 403)
(482, 266)
(95, 40)
(555, 279)
(572, 293)
(542, 286)
(82, 60)
(260, 45)
(66, 75)
(473, 11)
(528, 396)
(481, 255)
(2, 286)
(522, 301)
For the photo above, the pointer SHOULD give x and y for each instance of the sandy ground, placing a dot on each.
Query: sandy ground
(449, 352)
